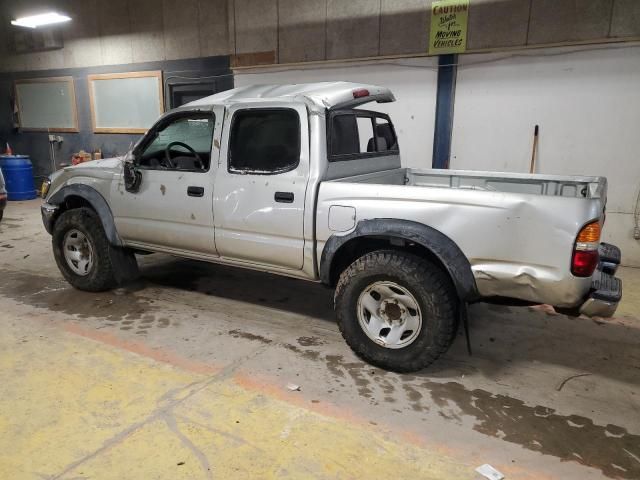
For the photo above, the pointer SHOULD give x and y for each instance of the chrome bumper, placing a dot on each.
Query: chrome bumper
(606, 293)
(48, 212)
(594, 307)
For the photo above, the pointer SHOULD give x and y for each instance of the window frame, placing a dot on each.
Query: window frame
(19, 103)
(360, 155)
(102, 77)
(162, 123)
(232, 132)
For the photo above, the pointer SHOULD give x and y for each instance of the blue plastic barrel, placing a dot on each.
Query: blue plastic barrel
(18, 177)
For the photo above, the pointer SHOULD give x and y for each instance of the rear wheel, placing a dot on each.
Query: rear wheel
(396, 310)
(84, 255)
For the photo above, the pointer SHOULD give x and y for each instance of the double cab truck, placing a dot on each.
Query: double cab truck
(303, 181)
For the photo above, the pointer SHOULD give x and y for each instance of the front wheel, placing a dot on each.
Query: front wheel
(84, 255)
(396, 310)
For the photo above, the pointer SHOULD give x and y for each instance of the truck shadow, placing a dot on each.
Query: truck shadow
(258, 288)
(500, 336)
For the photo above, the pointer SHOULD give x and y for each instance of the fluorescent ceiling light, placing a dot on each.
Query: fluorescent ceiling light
(35, 21)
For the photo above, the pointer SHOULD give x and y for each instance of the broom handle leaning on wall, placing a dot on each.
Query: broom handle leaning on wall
(532, 167)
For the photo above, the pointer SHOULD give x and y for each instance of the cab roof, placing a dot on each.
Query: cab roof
(329, 95)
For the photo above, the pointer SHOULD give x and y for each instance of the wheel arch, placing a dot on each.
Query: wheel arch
(78, 195)
(374, 234)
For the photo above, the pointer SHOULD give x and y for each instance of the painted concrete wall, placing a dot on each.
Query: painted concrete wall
(36, 144)
(285, 31)
(413, 82)
(587, 103)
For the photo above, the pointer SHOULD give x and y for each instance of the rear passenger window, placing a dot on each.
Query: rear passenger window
(360, 134)
(264, 141)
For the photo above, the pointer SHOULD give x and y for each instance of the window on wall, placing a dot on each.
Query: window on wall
(359, 134)
(264, 141)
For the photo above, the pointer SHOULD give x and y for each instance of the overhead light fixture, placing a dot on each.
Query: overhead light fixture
(35, 21)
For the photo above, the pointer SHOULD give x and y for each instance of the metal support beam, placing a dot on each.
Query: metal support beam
(445, 96)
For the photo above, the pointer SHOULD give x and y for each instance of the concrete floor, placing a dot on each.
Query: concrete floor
(184, 375)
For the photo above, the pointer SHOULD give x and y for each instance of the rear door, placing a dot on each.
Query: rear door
(261, 185)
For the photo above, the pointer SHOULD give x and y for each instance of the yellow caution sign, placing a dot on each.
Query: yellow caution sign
(448, 26)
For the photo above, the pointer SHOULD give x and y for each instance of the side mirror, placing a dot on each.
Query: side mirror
(132, 176)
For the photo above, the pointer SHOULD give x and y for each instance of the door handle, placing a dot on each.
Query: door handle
(195, 191)
(284, 197)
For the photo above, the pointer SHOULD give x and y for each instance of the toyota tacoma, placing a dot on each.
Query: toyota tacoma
(301, 180)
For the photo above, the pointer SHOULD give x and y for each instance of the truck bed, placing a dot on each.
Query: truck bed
(534, 184)
(516, 230)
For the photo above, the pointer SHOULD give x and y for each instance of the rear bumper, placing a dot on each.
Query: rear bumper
(610, 257)
(48, 212)
(605, 296)
(606, 288)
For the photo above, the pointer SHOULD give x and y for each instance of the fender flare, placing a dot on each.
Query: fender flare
(442, 247)
(97, 201)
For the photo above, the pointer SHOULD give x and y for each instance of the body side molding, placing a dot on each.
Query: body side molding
(96, 200)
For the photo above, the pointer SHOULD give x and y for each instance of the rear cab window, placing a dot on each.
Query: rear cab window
(355, 134)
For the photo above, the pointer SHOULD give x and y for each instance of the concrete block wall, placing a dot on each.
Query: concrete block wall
(288, 31)
(114, 32)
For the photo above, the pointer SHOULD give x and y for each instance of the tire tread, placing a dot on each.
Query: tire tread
(421, 272)
(104, 278)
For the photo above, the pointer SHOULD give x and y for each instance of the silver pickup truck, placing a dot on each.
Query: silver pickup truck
(300, 180)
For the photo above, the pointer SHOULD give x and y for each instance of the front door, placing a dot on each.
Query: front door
(172, 209)
(261, 184)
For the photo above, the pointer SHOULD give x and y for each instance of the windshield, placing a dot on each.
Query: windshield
(188, 136)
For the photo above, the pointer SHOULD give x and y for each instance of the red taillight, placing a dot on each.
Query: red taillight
(584, 263)
(361, 92)
(585, 250)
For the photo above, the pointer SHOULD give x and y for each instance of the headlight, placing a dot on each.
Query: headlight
(44, 189)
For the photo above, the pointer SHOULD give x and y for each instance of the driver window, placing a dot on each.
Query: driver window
(182, 144)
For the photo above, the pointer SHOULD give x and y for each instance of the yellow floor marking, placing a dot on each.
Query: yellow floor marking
(74, 408)
(63, 397)
(271, 440)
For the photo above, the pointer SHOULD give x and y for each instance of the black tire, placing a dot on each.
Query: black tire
(111, 265)
(430, 286)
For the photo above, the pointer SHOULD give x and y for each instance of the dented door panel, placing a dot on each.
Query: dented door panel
(173, 209)
(259, 215)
